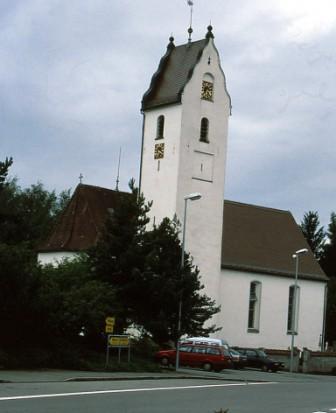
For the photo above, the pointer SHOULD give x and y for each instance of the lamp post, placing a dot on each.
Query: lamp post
(293, 321)
(191, 197)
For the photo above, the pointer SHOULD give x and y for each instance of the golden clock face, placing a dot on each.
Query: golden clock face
(207, 90)
(159, 151)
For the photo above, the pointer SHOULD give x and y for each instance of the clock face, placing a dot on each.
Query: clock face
(207, 90)
(159, 151)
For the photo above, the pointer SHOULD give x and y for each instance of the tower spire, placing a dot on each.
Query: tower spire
(190, 30)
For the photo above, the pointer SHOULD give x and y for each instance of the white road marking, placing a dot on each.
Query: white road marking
(206, 386)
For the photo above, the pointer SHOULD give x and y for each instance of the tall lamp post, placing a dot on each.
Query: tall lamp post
(191, 197)
(296, 256)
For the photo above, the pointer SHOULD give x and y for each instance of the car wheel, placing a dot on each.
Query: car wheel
(207, 366)
(164, 361)
(264, 368)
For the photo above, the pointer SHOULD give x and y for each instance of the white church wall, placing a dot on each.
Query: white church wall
(55, 257)
(159, 176)
(235, 290)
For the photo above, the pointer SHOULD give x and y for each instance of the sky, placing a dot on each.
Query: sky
(72, 76)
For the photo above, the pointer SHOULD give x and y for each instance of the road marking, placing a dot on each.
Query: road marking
(84, 393)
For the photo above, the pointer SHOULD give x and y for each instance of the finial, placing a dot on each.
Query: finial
(209, 33)
(81, 176)
(171, 42)
(190, 30)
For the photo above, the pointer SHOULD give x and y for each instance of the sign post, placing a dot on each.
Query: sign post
(109, 326)
(119, 342)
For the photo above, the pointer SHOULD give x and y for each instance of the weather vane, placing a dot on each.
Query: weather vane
(190, 30)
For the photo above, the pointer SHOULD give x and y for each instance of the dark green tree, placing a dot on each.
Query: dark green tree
(328, 259)
(313, 232)
(328, 263)
(74, 304)
(118, 253)
(4, 168)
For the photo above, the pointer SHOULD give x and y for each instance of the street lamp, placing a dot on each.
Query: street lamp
(293, 321)
(191, 197)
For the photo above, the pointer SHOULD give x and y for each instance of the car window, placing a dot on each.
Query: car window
(261, 353)
(201, 350)
(185, 349)
(251, 353)
(212, 350)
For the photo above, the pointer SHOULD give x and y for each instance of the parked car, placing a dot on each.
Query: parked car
(206, 356)
(205, 341)
(257, 358)
(239, 360)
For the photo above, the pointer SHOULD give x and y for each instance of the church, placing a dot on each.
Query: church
(244, 252)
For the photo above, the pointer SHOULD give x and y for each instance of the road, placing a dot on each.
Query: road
(201, 395)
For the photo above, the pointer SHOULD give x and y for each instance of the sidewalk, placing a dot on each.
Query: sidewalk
(46, 375)
(246, 375)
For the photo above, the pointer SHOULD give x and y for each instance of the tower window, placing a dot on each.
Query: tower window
(204, 133)
(160, 127)
(254, 306)
(293, 309)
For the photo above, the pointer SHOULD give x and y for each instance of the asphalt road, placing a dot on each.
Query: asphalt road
(304, 394)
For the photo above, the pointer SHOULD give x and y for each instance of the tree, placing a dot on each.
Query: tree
(74, 305)
(144, 269)
(328, 263)
(314, 234)
(118, 251)
(4, 167)
(328, 259)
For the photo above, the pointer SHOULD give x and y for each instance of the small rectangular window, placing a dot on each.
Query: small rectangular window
(254, 307)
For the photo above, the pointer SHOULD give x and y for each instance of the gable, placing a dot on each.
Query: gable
(174, 71)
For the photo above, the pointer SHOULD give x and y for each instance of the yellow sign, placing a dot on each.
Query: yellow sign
(110, 321)
(118, 341)
(108, 328)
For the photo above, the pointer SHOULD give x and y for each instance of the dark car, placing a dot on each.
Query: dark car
(239, 360)
(259, 359)
(209, 357)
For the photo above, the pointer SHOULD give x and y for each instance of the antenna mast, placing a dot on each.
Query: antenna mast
(117, 180)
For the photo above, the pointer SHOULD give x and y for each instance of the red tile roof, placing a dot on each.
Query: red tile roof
(80, 224)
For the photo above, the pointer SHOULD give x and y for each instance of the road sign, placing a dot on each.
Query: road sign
(109, 328)
(118, 341)
(110, 321)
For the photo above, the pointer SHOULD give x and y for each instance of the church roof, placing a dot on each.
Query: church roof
(174, 71)
(255, 239)
(263, 240)
(80, 224)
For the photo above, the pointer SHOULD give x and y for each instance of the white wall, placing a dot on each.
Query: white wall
(54, 257)
(235, 288)
(159, 177)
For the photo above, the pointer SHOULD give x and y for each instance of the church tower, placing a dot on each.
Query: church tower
(185, 124)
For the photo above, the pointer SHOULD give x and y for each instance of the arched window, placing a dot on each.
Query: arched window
(254, 306)
(204, 132)
(293, 309)
(160, 127)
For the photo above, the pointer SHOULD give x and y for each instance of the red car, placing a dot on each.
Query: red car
(209, 357)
